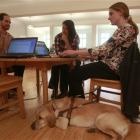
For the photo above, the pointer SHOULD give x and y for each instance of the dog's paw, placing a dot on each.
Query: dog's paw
(62, 123)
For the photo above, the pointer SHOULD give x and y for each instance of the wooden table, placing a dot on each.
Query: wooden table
(42, 64)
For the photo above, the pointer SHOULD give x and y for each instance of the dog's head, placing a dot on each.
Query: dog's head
(44, 116)
(47, 114)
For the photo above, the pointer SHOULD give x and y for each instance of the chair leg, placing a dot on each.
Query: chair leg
(20, 100)
(38, 85)
(98, 93)
(91, 89)
(3, 98)
(121, 99)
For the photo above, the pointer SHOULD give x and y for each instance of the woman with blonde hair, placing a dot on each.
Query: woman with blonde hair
(68, 39)
(109, 55)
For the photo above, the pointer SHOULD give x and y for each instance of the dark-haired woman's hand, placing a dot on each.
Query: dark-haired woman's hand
(64, 38)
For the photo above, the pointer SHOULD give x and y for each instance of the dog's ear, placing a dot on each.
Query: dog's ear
(51, 119)
(37, 114)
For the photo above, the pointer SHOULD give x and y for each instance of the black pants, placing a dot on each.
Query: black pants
(60, 71)
(18, 70)
(96, 70)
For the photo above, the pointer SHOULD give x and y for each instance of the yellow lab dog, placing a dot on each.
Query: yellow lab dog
(105, 118)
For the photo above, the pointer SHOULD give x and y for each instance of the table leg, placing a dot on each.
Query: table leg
(3, 69)
(38, 82)
(45, 84)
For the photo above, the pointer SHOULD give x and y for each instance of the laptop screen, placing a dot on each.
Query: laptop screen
(41, 49)
(22, 46)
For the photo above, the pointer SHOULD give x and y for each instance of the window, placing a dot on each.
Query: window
(83, 39)
(85, 35)
(104, 32)
(43, 34)
(56, 30)
(104, 37)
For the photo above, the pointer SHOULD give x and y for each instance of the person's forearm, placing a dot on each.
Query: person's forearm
(83, 52)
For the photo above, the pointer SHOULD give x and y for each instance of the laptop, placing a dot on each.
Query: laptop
(41, 50)
(21, 48)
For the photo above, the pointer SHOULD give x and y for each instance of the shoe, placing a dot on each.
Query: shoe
(135, 120)
(54, 94)
(80, 96)
(62, 95)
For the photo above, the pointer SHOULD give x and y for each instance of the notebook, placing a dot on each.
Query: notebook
(41, 49)
(21, 47)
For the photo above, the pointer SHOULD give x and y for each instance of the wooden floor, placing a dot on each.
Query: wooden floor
(12, 127)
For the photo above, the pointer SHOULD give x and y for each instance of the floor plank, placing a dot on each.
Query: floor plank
(12, 127)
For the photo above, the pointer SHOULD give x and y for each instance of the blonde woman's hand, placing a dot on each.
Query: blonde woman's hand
(69, 52)
(82, 52)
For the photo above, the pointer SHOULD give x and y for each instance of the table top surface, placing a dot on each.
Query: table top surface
(38, 59)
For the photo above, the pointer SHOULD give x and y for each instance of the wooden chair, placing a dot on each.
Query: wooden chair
(98, 83)
(7, 83)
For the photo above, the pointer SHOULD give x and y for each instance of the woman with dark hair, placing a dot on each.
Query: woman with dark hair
(66, 40)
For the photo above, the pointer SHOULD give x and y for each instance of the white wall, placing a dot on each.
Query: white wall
(18, 28)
